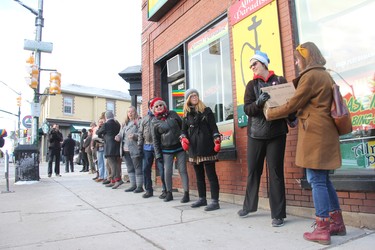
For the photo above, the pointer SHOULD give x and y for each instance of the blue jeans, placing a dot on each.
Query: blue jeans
(323, 193)
(148, 158)
(101, 164)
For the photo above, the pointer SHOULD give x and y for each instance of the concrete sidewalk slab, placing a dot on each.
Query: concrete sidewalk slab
(75, 212)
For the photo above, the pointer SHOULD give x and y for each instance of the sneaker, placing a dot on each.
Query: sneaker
(277, 222)
(58, 175)
(106, 182)
(243, 213)
(49, 175)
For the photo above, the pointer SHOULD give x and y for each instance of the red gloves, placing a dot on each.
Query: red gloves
(217, 142)
(185, 143)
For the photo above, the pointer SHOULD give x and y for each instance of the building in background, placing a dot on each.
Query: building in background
(76, 107)
(207, 45)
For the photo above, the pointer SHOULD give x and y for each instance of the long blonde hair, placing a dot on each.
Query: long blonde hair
(198, 108)
(127, 119)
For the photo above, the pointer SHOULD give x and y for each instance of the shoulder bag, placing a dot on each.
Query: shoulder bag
(340, 112)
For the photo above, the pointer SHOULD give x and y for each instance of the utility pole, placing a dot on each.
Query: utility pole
(39, 24)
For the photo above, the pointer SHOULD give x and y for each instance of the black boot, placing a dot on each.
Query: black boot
(186, 197)
(130, 189)
(214, 205)
(200, 202)
(169, 196)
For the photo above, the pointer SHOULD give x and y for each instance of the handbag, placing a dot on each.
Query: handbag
(340, 112)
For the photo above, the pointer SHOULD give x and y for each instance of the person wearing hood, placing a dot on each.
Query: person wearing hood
(318, 145)
(265, 140)
(146, 145)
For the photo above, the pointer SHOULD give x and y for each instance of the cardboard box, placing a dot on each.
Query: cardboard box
(280, 94)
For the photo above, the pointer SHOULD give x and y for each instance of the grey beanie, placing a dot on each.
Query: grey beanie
(109, 114)
(189, 92)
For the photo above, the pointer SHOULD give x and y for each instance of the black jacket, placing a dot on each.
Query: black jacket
(55, 138)
(68, 146)
(200, 129)
(258, 127)
(166, 134)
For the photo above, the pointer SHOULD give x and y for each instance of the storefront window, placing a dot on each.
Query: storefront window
(210, 73)
(341, 31)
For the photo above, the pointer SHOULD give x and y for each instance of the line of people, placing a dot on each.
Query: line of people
(162, 136)
(166, 138)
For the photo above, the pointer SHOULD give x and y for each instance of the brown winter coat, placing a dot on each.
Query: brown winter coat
(318, 145)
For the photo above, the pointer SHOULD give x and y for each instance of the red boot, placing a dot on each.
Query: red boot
(321, 232)
(337, 226)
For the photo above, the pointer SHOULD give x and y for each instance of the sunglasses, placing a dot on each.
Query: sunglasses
(254, 64)
(157, 106)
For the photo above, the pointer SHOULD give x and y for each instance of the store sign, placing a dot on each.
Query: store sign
(158, 8)
(243, 9)
(259, 30)
(27, 121)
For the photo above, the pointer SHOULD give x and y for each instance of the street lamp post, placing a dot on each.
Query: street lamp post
(39, 23)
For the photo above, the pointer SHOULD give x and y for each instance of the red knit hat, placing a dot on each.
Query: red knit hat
(152, 103)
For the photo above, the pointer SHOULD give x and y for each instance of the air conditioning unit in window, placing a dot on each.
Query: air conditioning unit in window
(175, 66)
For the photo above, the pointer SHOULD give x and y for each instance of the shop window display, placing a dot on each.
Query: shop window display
(347, 45)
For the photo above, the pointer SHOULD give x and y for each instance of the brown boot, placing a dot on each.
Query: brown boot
(336, 226)
(321, 232)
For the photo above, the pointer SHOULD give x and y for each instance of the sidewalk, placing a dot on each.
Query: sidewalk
(74, 212)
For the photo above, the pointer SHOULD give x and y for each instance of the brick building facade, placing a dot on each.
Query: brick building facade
(170, 28)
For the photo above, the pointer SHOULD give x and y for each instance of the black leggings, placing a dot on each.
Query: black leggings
(212, 177)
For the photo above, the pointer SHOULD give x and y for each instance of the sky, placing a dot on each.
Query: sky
(92, 42)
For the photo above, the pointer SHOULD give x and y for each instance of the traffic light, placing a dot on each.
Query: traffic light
(55, 83)
(19, 99)
(33, 73)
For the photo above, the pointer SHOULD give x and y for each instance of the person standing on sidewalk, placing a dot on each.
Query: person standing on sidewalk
(85, 160)
(111, 148)
(54, 149)
(166, 130)
(68, 146)
(201, 138)
(98, 144)
(128, 137)
(145, 143)
(87, 144)
(318, 145)
(265, 140)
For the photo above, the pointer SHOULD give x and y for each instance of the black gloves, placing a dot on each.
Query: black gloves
(264, 96)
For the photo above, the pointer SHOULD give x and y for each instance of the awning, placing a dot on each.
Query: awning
(77, 128)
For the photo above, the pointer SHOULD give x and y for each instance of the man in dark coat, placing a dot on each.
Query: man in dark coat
(54, 149)
(111, 147)
(68, 151)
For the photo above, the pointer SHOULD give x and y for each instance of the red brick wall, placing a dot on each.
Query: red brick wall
(186, 18)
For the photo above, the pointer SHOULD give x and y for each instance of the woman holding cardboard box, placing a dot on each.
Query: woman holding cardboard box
(266, 140)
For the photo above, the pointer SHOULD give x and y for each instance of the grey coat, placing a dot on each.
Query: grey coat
(130, 142)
